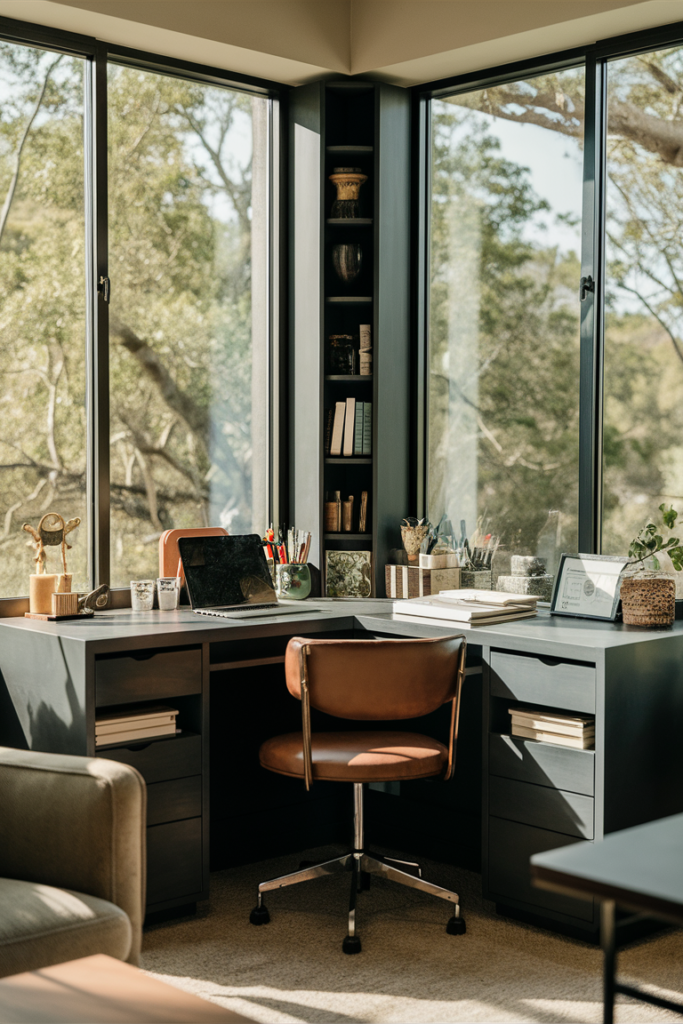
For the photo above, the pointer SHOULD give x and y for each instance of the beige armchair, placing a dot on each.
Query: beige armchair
(72, 859)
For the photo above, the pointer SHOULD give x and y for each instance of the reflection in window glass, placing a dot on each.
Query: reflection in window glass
(42, 308)
(504, 332)
(643, 419)
(188, 319)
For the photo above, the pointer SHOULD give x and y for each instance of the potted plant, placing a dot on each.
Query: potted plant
(648, 595)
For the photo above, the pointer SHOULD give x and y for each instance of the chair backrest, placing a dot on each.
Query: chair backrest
(370, 680)
(169, 555)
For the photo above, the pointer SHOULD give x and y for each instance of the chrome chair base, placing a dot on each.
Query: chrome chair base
(362, 866)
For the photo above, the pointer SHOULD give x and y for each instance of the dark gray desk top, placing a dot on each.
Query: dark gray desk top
(581, 639)
(640, 867)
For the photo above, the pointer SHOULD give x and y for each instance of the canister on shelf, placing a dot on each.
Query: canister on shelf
(342, 354)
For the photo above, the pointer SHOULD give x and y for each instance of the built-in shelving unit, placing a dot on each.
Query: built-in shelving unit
(364, 126)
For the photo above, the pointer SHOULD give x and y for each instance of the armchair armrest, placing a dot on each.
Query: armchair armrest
(75, 823)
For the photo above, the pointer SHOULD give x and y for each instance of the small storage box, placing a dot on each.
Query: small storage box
(404, 581)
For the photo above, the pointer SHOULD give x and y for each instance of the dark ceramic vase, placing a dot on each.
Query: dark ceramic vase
(347, 258)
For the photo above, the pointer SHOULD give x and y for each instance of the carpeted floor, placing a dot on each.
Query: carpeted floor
(410, 970)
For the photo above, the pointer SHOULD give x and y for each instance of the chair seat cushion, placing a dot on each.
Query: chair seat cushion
(370, 756)
(41, 925)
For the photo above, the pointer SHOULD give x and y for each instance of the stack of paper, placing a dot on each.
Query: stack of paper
(469, 607)
(142, 724)
(548, 727)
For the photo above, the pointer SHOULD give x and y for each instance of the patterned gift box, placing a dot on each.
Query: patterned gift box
(404, 581)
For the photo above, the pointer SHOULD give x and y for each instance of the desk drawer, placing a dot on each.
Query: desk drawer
(511, 845)
(556, 809)
(145, 675)
(175, 800)
(160, 760)
(546, 681)
(544, 764)
(174, 860)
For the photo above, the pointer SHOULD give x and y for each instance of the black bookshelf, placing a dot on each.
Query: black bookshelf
(363, 125)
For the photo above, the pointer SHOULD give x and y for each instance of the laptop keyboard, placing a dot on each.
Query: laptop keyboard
(253, 612)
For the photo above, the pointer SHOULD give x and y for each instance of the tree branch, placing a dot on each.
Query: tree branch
(4, 213)
(195, 417)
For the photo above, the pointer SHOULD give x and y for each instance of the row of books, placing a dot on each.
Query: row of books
(348, 429)
(339, 515)
(146, 722)
(548, 727)
(469, 607)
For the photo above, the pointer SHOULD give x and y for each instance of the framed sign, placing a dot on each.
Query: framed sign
(588, 586)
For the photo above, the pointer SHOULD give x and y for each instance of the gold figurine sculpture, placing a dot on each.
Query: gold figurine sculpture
(52, 530)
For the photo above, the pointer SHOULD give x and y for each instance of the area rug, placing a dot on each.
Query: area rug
(410, 969)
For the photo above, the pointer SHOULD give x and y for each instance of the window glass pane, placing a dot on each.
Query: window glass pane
(643, 425)
(504, 331)
(43, 423)
(188, 319)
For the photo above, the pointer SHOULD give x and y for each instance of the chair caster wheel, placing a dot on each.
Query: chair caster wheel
(364, 881)
(259, 915)
(351, 944)
(456, 926)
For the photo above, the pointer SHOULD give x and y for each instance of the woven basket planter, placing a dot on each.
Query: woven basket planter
(648, 600)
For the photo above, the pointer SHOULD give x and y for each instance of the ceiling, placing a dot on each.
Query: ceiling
(406, 42)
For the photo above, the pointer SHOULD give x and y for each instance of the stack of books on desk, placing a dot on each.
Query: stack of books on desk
(142, 724)
(469, 607)
(548, 727)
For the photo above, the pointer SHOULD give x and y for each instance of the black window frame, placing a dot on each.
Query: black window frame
(595, 58)
(98, 54)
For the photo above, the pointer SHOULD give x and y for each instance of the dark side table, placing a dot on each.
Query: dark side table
(640, 869)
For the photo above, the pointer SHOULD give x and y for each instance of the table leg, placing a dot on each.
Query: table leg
(608, 941)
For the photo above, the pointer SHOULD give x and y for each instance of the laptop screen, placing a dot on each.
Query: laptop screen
(226, 571)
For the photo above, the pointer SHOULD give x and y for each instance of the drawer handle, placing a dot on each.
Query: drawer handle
(142, 655)
(550, 661)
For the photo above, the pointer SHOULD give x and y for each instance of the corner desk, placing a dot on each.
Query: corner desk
(515, 797)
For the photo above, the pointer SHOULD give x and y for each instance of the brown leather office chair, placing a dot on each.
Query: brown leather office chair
(367, 680)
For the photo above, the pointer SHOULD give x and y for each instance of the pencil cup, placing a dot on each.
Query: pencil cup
(293, 582)
(142, 595)
(167, 593)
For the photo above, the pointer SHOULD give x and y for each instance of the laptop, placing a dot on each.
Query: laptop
(229, 577)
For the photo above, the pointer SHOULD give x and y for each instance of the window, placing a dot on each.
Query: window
(43, 306)
(643, 424)
(552, 273)
(188, 317)
(506, 189)
(190, 252)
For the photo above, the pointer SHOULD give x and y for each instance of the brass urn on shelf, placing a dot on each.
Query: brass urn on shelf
(347, 181)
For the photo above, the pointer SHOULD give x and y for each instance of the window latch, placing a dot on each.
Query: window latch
(587, 284)
(104, 288)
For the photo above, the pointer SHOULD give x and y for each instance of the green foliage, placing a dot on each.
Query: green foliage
(649, 543)
(180, 238)
(523, 410)
(513, 379)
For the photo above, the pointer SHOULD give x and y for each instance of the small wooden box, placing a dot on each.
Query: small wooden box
(65, 604)
(404, 581)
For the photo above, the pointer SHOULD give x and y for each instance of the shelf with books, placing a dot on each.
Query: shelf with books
(348, 430)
